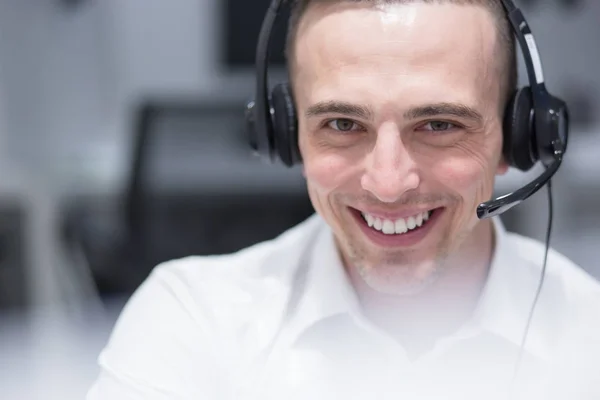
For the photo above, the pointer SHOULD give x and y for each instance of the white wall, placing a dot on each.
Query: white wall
(54, 72)
(70, 76)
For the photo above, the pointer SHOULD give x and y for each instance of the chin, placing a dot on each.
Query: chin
(388, 270)
(399, 279)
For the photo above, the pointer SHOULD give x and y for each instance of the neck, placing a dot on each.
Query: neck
(418, 320)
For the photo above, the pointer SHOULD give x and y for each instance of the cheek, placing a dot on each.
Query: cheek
(466, 180)
(323, 173)
(458, 174)
(323, 176)
(329, 177)
(470, 176)
(326, 170)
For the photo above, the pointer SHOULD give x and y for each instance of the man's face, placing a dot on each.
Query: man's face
(400, 131)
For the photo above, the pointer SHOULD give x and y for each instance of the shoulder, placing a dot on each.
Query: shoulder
(199, 319)
(230, 291)
(249, 271)
(569, 312)
(562, 274)
(569, 300)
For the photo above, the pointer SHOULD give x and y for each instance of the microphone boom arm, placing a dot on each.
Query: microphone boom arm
(504, 203)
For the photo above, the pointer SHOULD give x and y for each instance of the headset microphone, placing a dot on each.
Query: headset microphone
(504, 203)
(536, 124)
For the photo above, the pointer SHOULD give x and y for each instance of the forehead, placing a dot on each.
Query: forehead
(398, 53)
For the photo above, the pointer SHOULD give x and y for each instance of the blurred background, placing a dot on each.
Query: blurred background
(122, 146)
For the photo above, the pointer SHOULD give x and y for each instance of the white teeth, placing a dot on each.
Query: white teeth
(401, 225)
(389, 227)
(378, 224)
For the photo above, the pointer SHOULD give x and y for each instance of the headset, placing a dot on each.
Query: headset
(535, 129)
(535, 126)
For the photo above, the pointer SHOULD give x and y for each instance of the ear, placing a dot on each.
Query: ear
(502, 166)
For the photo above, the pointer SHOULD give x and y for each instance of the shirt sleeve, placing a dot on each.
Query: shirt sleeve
(162, 347)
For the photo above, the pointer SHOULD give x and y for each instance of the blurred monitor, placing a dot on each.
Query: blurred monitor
(200, 146)
(188, 147)
(196, 188)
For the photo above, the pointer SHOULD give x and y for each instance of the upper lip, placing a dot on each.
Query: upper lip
(394, 215)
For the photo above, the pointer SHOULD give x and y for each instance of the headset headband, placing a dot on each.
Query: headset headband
(260, 108)
(520, 26)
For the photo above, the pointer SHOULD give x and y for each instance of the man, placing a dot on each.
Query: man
(394, 289)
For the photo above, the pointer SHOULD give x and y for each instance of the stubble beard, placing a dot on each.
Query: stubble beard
(398, 272)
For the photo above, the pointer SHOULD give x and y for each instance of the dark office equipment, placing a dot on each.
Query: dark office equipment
(14, 290)
(194, 189)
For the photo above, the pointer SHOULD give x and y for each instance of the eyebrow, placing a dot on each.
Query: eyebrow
(340, 107)
(364, 112)
(433, 110)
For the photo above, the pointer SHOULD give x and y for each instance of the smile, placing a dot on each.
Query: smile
(399, 226)
(392, 231)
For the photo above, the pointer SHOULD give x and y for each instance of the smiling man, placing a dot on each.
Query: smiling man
(394, 288)
(401, 136)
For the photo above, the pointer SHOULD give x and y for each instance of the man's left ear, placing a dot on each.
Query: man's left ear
(502, 166)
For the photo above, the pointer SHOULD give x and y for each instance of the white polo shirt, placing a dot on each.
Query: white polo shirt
(280, 320)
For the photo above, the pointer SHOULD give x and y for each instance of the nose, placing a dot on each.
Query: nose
(390, 170)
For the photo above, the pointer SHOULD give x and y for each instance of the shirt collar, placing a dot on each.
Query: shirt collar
(503, 308)
(326, 289)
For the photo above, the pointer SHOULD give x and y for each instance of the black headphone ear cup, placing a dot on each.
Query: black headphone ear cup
(519, 146)
(285, 124)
